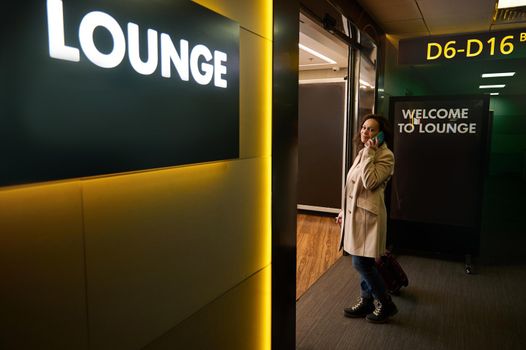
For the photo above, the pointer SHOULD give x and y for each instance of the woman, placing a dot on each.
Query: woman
(364, 217)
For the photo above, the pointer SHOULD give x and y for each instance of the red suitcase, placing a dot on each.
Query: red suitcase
(392, 273)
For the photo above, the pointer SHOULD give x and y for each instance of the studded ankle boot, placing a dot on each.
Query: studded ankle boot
(363, 307)
(384, 309)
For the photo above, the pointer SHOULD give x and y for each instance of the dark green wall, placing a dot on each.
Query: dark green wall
(397, 80)
(502, 228)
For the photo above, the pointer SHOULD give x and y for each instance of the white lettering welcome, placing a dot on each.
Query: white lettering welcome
(433, 113)
(185, 61)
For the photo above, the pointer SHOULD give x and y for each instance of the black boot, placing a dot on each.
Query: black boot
(361, 309)
(384, 309)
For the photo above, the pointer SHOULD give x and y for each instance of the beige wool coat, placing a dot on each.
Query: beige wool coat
(364, 227)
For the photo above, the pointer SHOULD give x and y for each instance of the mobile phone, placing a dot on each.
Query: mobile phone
(379, 137)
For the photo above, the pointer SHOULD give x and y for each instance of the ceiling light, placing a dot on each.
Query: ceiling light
(313, 64)
(494, 93)
(498, 86)
(316, 53)
(497, 75)
(502, 4)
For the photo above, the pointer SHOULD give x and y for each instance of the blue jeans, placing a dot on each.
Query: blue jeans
(371, 283)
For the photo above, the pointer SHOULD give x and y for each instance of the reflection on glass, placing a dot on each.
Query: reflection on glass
(367, 86)
(367, 76)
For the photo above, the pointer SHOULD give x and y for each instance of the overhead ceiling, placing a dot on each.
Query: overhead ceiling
(417, 18)
(413, 18)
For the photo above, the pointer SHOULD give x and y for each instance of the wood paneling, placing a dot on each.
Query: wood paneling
(317, 248)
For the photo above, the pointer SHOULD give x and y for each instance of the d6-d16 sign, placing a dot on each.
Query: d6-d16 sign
(463, 47)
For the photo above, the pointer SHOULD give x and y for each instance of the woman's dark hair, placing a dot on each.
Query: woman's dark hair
(384, 126)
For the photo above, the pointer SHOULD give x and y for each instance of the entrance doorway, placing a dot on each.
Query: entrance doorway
(322, 123)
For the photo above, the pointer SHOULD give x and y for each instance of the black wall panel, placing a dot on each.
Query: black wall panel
(62, 119)
(320, 144)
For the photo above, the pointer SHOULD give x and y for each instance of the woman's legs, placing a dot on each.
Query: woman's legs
(372, 284)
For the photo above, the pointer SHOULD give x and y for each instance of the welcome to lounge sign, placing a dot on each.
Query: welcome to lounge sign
(441, 149)
(105, 86)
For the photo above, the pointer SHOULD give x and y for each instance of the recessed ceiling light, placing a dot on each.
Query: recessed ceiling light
(497, 75)
(498, 86)
(313, 64)
(316, 53)
(503, 4)
(494, 93)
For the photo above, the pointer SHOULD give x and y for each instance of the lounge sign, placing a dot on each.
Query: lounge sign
(105, 86)
(465, 47)
(198, 60)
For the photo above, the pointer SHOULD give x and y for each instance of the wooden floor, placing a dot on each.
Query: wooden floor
(442, 309)
(317, 248)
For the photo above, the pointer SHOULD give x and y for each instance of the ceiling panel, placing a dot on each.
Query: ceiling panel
(453, 16)
(405, 27)
(389, 11)
(448, 26)
(417, 18)
(436, 17)
(466, 8)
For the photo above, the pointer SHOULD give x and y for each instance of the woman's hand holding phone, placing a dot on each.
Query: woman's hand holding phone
(372, 144)
(375, 141)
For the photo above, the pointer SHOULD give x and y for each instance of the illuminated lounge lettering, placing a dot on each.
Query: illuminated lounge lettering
(204, 65)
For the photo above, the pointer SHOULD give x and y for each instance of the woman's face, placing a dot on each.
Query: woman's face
(369, 129)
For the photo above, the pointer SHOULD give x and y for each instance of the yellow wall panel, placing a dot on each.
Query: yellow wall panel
(255, 95)
(153, 249)
(245, 327)
(160, 245)
(42, 292)
(254, 15)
